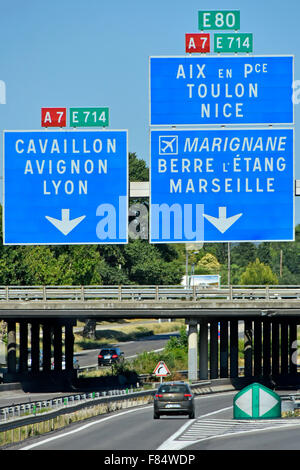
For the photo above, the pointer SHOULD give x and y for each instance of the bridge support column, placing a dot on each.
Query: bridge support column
(248, 348)
(58, 347)
(275, 348)
(52, 336)
(23, 360)
(69, 344)
(46, 346)
(257, 348)
(213, 349)
(224, 349)
(192, 350)
(203, 350)
(284, 348)
(11, 347)
(35, 346)
(293, 347)
(234, 350)
(266, 347)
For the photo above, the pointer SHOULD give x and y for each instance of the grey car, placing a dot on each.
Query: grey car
(174, 398)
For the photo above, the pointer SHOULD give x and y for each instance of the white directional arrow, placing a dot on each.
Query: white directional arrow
(65, 225)
(222, 223)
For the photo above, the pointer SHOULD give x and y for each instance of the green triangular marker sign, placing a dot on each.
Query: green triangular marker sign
(256, 402)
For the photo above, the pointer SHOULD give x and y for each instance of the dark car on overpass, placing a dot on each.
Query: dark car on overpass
(109, 356)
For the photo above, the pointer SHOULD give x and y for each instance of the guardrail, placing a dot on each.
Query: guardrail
(41, 421)
(14, 412)
(40, 409)
(141, 293)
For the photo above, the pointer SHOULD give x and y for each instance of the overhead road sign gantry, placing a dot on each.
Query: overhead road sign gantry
(197, 90)
(222, 185)
(65, 187)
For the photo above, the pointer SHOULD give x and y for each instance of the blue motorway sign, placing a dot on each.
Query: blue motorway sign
(65, 187)
(222, 185)
(221, 90)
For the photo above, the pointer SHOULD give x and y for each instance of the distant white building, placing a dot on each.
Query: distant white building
(203, 280)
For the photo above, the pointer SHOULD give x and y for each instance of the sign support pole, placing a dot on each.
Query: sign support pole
(229, 265)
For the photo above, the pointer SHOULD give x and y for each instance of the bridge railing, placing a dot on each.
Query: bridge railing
(151, 292)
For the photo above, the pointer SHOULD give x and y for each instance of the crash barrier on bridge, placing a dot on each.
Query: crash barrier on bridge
(22, 421)
(121, 293)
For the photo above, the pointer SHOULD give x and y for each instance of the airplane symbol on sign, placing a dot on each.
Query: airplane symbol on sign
(168, 145)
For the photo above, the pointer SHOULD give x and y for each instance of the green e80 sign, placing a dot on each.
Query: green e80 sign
(218, 20)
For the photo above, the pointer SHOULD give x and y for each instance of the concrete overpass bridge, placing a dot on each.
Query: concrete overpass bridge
(267, 316)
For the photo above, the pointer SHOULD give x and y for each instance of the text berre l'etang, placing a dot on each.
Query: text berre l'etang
(231, 159)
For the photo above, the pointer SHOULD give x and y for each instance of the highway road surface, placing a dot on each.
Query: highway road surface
(135, 429)
(131, 349)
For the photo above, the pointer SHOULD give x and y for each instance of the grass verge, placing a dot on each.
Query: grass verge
(122, 333)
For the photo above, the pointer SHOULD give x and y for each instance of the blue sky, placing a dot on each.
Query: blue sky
(95, 53)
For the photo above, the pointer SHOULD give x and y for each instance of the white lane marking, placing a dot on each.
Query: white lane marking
(81, 428)
(172, 444)
(212, 429)
(148, 352)
(265, 427)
